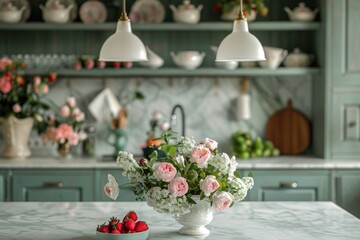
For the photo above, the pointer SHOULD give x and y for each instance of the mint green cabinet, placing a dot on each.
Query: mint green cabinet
(126, 192)
(290, 185)
(59, 185)
(2, 186)
(347, 185)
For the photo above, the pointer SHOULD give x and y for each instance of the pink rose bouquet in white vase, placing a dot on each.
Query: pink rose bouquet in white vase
(190, 181)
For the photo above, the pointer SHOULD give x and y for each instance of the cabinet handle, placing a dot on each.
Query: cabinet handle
(288, 184)
(53, 184)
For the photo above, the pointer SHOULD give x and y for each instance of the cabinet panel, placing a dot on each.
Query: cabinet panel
(348, 191)
(345, 41)
(346, 125)
(126, 192)
(290, 186)
(52, 186)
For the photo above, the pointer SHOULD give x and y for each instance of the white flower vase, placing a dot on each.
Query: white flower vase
(194, 222)
(16, 134)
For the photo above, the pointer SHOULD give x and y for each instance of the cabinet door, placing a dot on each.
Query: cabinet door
(344, 38)
(52, 185)
(126, 192)
(346, 125)
(348, 191)
(290, 186)
(2, 188)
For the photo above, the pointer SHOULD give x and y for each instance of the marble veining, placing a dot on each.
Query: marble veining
(245, 220)
(283, 162)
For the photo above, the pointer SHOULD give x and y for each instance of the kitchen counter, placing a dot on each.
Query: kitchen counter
(284, 162)
(245, 220)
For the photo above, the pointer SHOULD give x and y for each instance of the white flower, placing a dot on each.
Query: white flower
(157, 116)
(180, 160)
(111, 188)
(164, 126)
(210, 144)
(249, 182)
(221, 162)
(186, 145)
(240, 187)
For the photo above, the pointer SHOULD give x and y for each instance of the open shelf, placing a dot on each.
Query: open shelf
(178, 72)
(203, 26)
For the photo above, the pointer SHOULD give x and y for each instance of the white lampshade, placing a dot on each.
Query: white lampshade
(123, 46)
(240, 45)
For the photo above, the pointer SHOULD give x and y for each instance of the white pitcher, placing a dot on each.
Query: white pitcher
(274, 57)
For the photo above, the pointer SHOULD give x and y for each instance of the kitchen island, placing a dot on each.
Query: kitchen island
(245, 220)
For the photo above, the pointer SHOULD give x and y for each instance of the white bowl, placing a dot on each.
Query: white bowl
(188, 59)
(123, 236)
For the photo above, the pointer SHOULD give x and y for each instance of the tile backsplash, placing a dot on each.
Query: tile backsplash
(209, 104)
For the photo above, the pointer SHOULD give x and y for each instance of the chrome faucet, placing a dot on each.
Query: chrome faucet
(173, 118)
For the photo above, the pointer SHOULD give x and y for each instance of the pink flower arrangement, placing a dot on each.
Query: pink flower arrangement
(19, 96)
(67, 127)
(181, 171)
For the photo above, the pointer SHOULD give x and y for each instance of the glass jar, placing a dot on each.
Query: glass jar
(89, 142)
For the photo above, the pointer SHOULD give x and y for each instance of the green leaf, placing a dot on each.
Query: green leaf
(202, 195)
(250, 174)
(190, 200)
(237, 174)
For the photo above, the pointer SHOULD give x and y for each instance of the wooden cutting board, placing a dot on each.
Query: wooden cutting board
(289, 130)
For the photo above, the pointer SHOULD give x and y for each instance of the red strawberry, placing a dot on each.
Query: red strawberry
(115, 231)
(141, 226)
(132, 215)
(104, 229)
(52, 77)
(130, 224)
(119, 226)
(114, 221)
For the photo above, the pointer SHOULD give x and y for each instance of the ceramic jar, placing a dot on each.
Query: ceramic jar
(16, 134)
(298, 59)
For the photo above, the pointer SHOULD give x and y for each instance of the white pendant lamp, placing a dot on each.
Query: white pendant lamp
(240, 45)
(123, 45)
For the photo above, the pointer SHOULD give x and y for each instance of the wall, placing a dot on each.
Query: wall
(209, 104)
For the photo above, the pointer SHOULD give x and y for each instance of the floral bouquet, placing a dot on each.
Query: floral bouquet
(188, 171)
(19, 96)
(65, 129)
(225, 6)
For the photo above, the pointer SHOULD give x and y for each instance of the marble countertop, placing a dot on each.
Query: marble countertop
(245, 220)
(284, 162)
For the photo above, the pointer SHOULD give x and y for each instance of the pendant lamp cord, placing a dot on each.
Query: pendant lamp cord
(241, 15)
(124, 16)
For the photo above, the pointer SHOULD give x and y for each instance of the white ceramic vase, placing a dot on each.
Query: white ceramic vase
(194, 222)
(16, 134)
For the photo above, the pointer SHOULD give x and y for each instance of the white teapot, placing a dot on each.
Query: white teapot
(186, 13)
(9, 13)
(57, 12)
(188, 59)
(298, 59)
(301, 13)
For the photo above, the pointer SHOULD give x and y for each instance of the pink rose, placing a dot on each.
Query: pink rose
(222, 200)
(71, 101)
(209, 185)
(63, 131)
(101, 64)
(45, 89)
(165, 171)
(4, 63)
(65, 111)
(37, 80)
(5, 84)
(41, 88)
(80, 117)
(111, 188)
(165, 126)
(200, 155)
(75, 112)
(16, 108)
(210, 144)
(73, 139)
(178, 186)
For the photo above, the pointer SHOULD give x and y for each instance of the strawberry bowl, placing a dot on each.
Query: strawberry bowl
(125, 236)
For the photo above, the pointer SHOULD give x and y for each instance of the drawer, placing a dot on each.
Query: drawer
(52, 185)
(290, 186)
(346, 125)
(126, 192)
